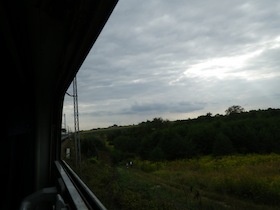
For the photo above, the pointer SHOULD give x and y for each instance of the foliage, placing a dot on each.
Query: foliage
(222, 145)
(230, 182)
(158, 140)
(211, 162)
(235, 109)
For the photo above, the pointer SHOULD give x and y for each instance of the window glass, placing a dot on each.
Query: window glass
(177, 107)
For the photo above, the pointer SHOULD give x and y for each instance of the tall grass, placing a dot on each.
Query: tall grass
(230, 182)
(251, 177)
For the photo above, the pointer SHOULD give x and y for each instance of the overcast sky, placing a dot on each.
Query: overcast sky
(179, 59)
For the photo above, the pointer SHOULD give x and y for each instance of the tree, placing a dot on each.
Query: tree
(222, 145)
(234, 110)
(209, 114)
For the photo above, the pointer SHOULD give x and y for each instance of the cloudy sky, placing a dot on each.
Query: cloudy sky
(179, 59)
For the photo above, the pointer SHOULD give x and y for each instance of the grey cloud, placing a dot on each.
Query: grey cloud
(136, 65)
(164, 107)
(149, 108)
(267, 62)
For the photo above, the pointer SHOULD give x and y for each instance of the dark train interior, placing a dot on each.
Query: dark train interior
(43, 44)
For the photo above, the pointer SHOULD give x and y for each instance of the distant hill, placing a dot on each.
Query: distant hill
(255, 131)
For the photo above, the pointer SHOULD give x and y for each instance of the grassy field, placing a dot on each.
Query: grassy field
(231, 182)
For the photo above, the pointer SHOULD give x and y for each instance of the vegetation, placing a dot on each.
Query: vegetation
(158, 140)
(235, 109)
(236, 182)
(211, 162)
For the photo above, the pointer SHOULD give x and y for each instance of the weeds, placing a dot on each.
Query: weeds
(231, 182)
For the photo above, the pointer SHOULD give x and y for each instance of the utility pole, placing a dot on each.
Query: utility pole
(76, 123)
(65, 123)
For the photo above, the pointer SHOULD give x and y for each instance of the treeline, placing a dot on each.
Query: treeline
(255, 131)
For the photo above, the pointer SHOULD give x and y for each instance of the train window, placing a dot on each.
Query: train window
(177, 107)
